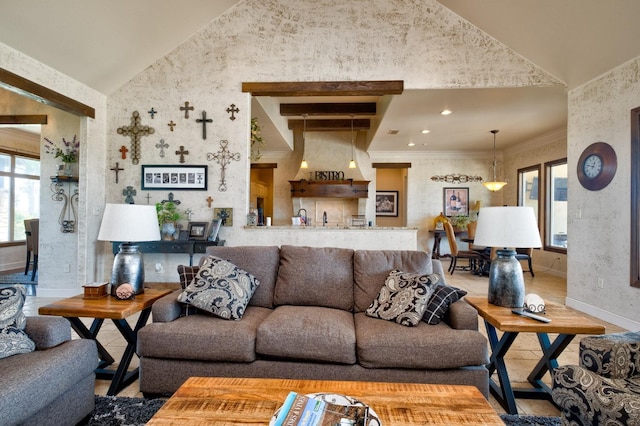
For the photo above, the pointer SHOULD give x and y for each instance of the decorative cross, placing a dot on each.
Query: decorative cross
(181, 152)
(162, 145)
(223, 157)
(204, 120)
(123, 151)
(135, 131)
(129, 192)
(232, 109)
(148, 197)
(189, 213)
(171, 124)
(152, 112)
(117, 169)
(186, 108)
(209, 200)
(171, 200)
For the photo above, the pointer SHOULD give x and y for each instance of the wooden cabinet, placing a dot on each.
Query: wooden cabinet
(330, 188)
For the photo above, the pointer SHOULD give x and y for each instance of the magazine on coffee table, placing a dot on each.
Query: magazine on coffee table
(306, 410)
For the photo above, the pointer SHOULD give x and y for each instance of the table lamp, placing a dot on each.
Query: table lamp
(507, 228)
(129, 223)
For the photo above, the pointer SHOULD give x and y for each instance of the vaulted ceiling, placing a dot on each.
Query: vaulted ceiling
(105, 44)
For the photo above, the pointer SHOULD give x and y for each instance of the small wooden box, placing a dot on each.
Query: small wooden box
(95, 290)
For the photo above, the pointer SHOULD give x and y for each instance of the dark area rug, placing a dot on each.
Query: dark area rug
(120, 411)
(18, 278)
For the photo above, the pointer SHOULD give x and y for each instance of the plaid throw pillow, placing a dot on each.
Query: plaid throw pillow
(442, 298)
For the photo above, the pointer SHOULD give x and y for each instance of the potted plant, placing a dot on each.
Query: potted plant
(256, 140)
(168, 215)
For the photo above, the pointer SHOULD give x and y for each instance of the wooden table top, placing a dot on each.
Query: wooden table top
(238, 401)
(564, 320)
(107, 307)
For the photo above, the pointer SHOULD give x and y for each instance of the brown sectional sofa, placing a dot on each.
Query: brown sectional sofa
(306, 320)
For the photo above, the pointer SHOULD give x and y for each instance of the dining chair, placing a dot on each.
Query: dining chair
(473, 257)
(525, 254)
(35, 235)
(27, 231)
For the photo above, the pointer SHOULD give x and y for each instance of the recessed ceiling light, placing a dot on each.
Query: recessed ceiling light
(411, 144)
(446, 112)
(393, 132)
(425, 131)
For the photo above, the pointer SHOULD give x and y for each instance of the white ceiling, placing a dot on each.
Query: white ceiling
(104, 44)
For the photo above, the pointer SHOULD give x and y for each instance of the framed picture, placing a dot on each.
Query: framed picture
(183, 235)
(214, 229)
(184, 178)
(225, 214)
(456, 201)
(197, 230)
(387, 203)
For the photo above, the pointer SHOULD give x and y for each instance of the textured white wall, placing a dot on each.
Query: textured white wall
(600, 240)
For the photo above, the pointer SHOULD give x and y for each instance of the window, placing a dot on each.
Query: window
(529, 189)
(19, 194)
(556, 206)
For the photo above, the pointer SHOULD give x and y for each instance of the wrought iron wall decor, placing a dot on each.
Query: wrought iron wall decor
(68, 216)
(456, 178)
(223, 157)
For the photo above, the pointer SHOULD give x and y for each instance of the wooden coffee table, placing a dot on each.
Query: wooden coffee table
(118, 311)
(236, 401)
(566, 322)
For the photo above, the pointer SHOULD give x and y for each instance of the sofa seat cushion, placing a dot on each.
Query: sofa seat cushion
(385, 344)
(203, 337)
(316, 276)
(308, 333)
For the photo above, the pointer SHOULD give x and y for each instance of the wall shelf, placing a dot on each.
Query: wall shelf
(330, 188)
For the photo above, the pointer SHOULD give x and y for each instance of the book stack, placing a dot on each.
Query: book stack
(303, 410)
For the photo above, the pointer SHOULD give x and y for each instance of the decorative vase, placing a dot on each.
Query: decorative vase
(168, 230)
(68, 169)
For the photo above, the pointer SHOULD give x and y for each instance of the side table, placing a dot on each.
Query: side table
(117, 310)
(566, 322)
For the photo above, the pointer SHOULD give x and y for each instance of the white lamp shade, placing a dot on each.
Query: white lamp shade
(507, 227)
(130, 223)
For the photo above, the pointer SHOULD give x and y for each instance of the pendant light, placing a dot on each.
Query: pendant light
(494, 185)
(304, 164)
(352, 163)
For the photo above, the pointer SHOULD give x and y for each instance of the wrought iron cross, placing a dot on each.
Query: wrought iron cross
(223, 157)
(171, 124)
(135, 131)
(181, 152)
(204, 120)
(152, 112)
(148, 197)
(129, 192)
(171, 200)
(117, 169)
(162, 145)
(186, 108)
(232, 110)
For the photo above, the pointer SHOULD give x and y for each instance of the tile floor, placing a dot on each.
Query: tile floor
(520, 360)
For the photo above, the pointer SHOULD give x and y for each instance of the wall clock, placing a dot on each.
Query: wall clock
(597, 166)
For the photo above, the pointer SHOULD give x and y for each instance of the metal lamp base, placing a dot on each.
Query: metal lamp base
(506, 282)
(128, 268)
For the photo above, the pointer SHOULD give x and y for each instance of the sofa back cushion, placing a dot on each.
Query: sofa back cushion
(371, 268)
(315, 276)
(259, 261)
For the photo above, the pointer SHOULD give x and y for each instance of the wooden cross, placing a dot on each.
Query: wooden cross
(186, 108)
(209, 200)
(171, 200)
(123, 151)
(148, 197)
(171, 124)
(182, 153)
(223, 157)
(135, 131)
(129, 192)
(232, 109)
(117, 169)
(162, 145)
(152, 112)
(204, 120)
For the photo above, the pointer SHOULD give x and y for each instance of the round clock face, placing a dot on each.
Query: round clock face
(597, 166)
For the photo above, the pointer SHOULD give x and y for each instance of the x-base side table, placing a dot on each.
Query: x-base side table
(118, 311)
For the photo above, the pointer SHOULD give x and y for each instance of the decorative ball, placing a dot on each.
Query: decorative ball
(124, 291)
(534, 303)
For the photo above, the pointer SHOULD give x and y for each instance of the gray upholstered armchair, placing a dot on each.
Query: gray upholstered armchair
(605, 388)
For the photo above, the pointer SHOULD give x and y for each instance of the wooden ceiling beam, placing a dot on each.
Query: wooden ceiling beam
(332, 108)
(23, 119)
(331, 125)
(325, 88)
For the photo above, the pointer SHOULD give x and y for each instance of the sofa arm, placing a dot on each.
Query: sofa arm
(48, 332)
(462, 316)
(615, 356)
(167, 308)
